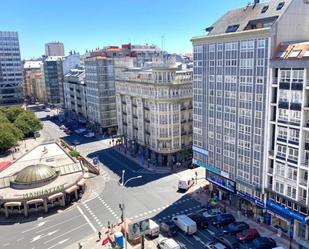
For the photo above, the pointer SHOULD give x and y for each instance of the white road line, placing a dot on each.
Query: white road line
(185, 238)
(72, 230)
(37, 226)
(5, 245)
(60, 223)
(86, 218)
(203, 235)
(59, 243)
(20, 239)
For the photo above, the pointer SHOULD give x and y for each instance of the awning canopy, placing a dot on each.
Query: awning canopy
(81, 182)
(34, 201)
(12, 204)
(71, 189)
(54, 196)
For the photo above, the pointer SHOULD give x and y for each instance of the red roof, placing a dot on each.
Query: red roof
(4, 165)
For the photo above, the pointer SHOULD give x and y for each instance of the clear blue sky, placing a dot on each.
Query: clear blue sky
(87, 24)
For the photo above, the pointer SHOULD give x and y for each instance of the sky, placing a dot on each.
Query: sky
(88, 24)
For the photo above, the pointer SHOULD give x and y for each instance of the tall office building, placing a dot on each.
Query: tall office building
(100, 93)
(11, 70)
(231, 92)
(54, 49)
(154, 112)
(53, 80)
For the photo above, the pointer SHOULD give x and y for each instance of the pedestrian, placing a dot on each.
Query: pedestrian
(99, 235)
(80, 245)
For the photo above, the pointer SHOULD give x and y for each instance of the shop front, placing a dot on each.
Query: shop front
(285, 220)
(251, 207)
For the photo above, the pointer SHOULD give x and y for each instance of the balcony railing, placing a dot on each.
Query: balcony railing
(305, 163)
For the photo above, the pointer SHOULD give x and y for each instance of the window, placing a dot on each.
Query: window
(291, 192)
(281, 150)
(306, 54)
(280, 168)
(232, 28)
(292, 174)
(281, 54)
(282, 133)
(294, 53)
(279, 187)
(280, 6)
(265, 8)
(293, 154)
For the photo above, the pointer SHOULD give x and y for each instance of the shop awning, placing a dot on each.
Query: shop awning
(34, 201)
(81, 182)
(12, 204)
(54, 196)
(71, 189)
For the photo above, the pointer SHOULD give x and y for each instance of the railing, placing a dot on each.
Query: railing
(305, 163)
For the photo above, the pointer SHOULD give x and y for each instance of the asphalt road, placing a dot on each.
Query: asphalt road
(152, 196)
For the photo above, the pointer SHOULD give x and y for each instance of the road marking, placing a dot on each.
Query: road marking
(20, 239)
(46, 228)
(7, 244)
(203, 235)
(59, 243)
(86, 218)
(37, 226)
(185, 238)
(72, 230)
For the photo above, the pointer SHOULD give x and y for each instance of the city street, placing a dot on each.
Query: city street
(153, 195)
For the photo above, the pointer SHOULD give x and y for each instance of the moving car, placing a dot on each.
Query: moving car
(212, 212)
(80, 130)
(200, 220)
(235, 227)
(260, 243)
(223, 220)
(185, 224)
(168, 228)
(248, 235)
(90, 134)
(166, 243)
(215, 245)
(185, 182)
(229, 241)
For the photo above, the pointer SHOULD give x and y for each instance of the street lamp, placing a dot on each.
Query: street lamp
(122, 206)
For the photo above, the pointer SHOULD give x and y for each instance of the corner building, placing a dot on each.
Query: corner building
(231, 88)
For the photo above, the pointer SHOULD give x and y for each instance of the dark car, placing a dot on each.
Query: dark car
(223, 220)
(260, 243)
(200, 220)
(248, 235)
(168, 228)
(229, 241)
(235, 227)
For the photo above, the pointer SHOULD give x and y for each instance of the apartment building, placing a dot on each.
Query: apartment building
(11, 70)
(75, 101)
(53, 80)
(288, 161)
(231, 88)
(154, 112)
(100, 93)
(33, 88)
(54, 49)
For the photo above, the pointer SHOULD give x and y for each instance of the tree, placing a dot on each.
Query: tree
(9, 135)
(12, 112)
(28, 123)
(3, 118)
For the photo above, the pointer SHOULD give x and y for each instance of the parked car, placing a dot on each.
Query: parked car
(260, 243)
(200, 220)
(215, 245)
(154, 230)
(67, 131)
(62, 127)
(223, 220)
(229, 241)
(248, 235)
(212, 212)
(184, 223)
(89, 134)
(235, 228)
(185, 182)
(168, 228)
(80, 130)
(166, 243)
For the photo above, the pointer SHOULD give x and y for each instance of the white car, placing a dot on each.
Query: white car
(212, 212)
(47, 109)
(62, 127)
(166, 243)
(90, 134)
(80, 130)
(215, 245)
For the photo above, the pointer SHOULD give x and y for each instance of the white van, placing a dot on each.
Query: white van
(185, 182)
(185, 224)
(154, 229)
(166, 243)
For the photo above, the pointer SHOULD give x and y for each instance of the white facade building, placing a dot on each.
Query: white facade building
(54, 49)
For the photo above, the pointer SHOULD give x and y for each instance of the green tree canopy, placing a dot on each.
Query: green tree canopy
(28, 123)
(12, 112)
(9, 135)
(3, 118)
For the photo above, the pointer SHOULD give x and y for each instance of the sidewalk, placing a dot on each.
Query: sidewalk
(150, 167)
(264, 230)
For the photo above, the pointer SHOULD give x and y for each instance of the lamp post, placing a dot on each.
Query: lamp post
(122, 206)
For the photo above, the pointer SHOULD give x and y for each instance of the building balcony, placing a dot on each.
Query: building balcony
(274, 81)
(297, 86)
(303, 182)
(284, 85)
(270, 170)
(295, 106)
(306, 145)
(305, 163)
(283, 104)
(271, 153)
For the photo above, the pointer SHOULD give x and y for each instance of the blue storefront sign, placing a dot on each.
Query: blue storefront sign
(251, 199)
(221, 181)
(284, 212)
(200, 150)
(206, 166)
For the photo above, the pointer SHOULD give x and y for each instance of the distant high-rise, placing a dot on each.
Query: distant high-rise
(11, 72)
(54, 49)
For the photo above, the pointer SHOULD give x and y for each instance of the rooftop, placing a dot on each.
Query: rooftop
(292, 51)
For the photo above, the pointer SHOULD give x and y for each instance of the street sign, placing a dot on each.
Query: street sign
(137, 229)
